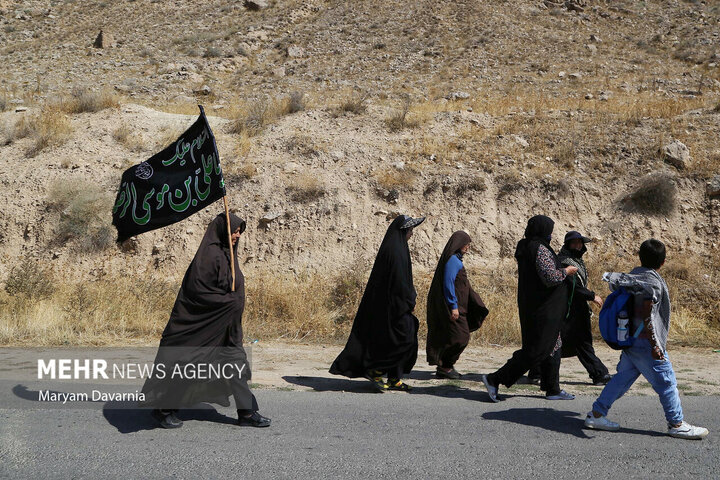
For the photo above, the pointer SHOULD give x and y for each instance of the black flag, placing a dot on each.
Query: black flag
(171, 185)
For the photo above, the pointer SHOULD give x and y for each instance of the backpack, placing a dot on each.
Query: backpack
(616, 302)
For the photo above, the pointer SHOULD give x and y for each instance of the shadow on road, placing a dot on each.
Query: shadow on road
(547, 418)
(324, 384)
(127, 418)
(472, 377)
(569, 423)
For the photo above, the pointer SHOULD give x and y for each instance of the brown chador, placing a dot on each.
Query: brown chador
(454, 309)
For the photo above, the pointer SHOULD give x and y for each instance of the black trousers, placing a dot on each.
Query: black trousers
(586, 354)
(527, 358)
(244, 398)
(594, 366)
(395, 373)
(548, 371)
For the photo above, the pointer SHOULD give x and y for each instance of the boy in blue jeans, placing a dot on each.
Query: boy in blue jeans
(647, 356)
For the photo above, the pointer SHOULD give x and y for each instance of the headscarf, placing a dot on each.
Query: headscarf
(539, 229)
(207, 274)
(566, 251)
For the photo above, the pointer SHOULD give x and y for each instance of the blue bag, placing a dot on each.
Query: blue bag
(616, 302)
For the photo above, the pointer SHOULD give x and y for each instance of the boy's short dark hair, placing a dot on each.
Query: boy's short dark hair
(652, 253)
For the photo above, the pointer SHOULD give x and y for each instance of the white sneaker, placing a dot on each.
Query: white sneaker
(563, 395)
(600, 423)
(687, 431)
(492, 390)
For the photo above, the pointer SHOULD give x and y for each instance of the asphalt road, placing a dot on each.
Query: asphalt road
(447, 432)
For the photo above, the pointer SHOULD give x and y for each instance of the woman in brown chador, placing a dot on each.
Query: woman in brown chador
(453, 309)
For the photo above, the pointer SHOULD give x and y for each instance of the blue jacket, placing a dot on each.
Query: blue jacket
(452, 267)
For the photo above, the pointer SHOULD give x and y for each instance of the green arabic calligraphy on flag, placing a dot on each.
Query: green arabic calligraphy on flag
(171, 185)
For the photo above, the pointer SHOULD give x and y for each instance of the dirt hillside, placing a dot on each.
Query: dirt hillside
(476, 114)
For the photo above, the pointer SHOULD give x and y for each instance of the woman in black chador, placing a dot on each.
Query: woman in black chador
(383, 339)
(576, 330)
(542, 304)
(205, 331)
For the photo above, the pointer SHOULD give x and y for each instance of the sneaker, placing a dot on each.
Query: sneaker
(451, 374)
(377, 381)
(254, 420)
(167, 419)
(602, 380)
(687, 431)
(491, 389)
(600, 423)
(563, 395)
(398, 385)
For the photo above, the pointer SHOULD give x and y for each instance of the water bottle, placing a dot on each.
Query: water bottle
(622, 331)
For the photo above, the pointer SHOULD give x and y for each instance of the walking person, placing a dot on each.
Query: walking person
(577, 331)
(383, 339)
(648, 355)
(542, 306)
(205, 329)
(454, 309)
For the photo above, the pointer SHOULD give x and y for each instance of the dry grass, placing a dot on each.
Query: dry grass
(237, 165)
(352, 102)
(509, 182)
(706, 166)
(82, 208)
(693, 282)
(395, 179)
(304, 145)
(312, 307)
(294, 103)
(654, 195)
(88, 313)
(51, 127)
(240, 170)
(85, 100)
(470, 185)
(167, 136)
(31, 279)
(398, 120)
(251, 119)
(305, 188)
(127, 137)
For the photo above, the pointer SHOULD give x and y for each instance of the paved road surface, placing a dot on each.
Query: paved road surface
(435, 432)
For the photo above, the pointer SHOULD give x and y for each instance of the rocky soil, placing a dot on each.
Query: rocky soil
(515, 108)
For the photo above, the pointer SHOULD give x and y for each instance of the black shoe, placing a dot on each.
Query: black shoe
(167, 418)
(602, 380)
(534, 380)
(375, 377)
(452, 374)
(254, 420)
(398, 385)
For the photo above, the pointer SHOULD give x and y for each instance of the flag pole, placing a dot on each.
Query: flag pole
(232, 255)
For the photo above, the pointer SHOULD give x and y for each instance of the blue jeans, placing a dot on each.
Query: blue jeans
(638, 360)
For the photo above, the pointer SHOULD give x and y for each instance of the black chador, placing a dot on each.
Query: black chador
(383, 339)
(205, 329)
(541, 307)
